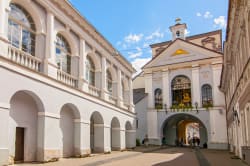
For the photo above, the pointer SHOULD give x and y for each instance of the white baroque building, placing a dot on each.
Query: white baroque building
(177, 94)
(65, 91)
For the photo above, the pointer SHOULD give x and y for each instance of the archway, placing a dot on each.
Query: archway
(69, 130)
(130, 135)
(24, 126)
(96, 133)
(180, 129)
(115, 134)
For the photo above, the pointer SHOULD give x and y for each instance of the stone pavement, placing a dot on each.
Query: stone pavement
(152, 156)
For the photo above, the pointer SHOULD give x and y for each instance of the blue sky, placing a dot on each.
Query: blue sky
(132, 25)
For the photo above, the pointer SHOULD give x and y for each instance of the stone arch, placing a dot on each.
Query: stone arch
(170, 131)
(113, 73)
(72, 43)
(23, 125)
(129, 135)
(115, 134)
(96, 132)
(70, 130)
(95, 60)
(31, 9)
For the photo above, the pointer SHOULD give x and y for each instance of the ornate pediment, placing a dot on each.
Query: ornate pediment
(181, 51)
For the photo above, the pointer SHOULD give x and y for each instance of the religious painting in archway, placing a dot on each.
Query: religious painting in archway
(181, 91)
(158, 98)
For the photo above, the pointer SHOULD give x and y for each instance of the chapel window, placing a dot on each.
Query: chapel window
(181, 91)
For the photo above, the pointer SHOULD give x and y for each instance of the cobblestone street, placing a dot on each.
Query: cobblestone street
(153, 156)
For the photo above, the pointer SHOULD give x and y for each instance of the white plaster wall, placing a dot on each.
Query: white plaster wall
(141, 114)
(218, 126)
(139, 82)
(23, 113)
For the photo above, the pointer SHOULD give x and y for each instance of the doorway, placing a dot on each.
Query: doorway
(19, 145)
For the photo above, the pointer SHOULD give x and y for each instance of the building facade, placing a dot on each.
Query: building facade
(65, 91)
(235, 80)
(177, 97)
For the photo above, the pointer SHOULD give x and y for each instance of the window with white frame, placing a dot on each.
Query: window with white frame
(21, 29)
(109, 81)
(207, 98)
(63, 54)
(90, 71)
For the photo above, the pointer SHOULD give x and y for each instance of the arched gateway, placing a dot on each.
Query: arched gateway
(182, 128)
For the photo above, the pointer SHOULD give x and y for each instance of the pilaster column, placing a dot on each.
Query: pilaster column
(50, 66)
(3, 19)
(196, 96)
(218, 96)
(4, 27)
(104, 86)
(82, 141)
(165, 87)
(131, 102)
(119, 87)
(149, 90)
(122, 138)
(4, 133)
(48, 134)
(82, 60)
(107, 138)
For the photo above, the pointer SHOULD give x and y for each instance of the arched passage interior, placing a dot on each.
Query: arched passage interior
(96, 133)
(182, 127)
(130, 135)
(70, 130)
(24, 126)
(115, 134)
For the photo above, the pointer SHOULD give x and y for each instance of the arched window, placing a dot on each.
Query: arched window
(21, 29)
(158, 98)
(109, 81)
(90, 71)
(181, 91)
(178, 34)
(123, 91)
(207, 98)
(63, 54)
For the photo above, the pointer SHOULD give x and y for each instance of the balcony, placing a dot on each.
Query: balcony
(112, 99)
(67, 78)
(23, 58)
(94, 91)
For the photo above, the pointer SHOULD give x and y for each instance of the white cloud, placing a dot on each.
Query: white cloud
(138, 63)
(220, 22)
(207, 15)
(198, 14)
(186, 32)
(134, 55)
(156, 34)
(133, 38)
